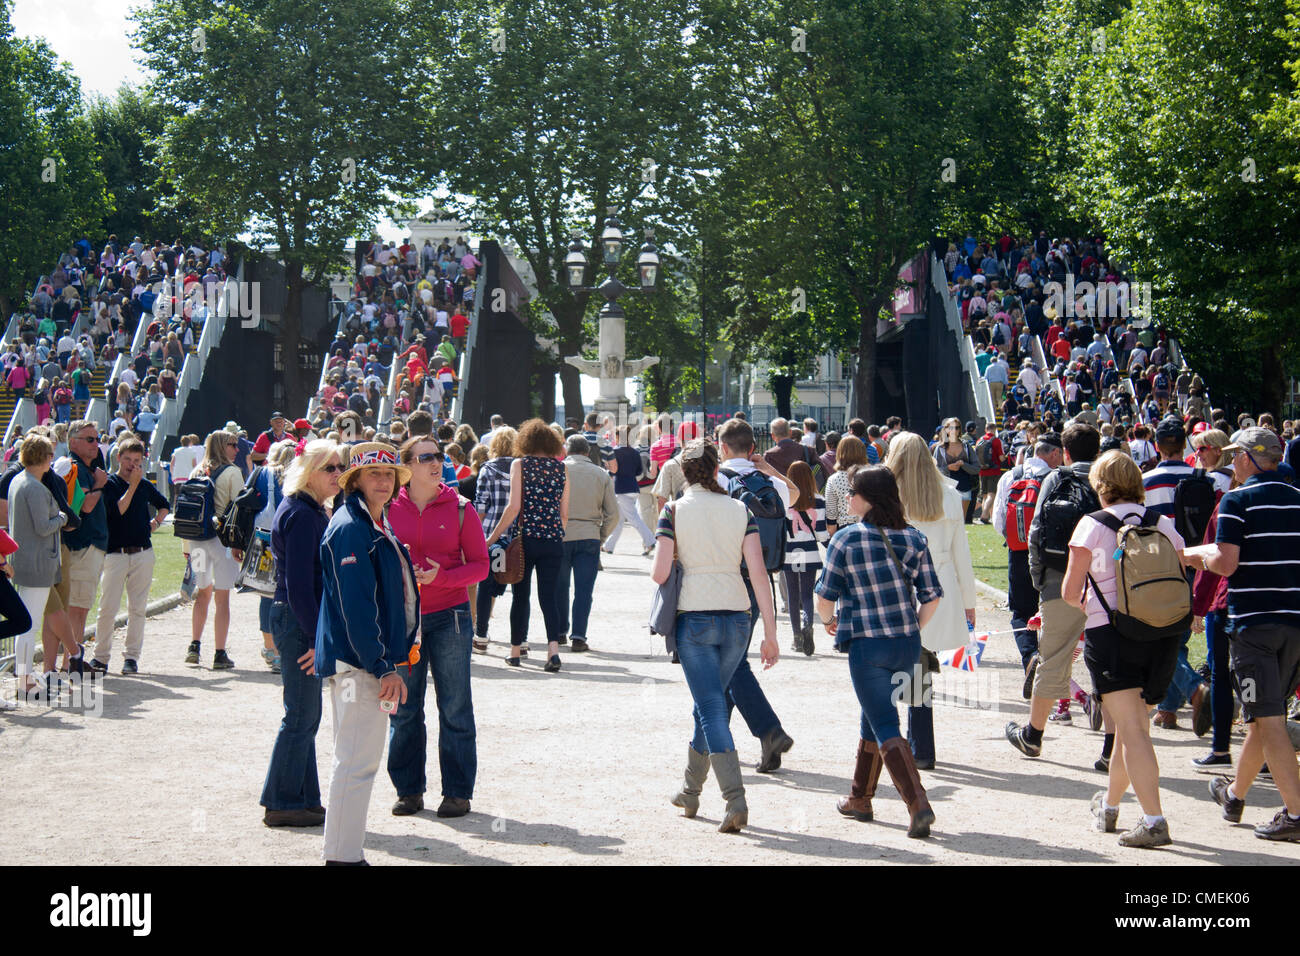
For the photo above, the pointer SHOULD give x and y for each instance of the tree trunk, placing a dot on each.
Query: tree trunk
(547, 389)
(296, 394)
(782, 386)
(6, 308)
(1273, 380)
(864, 373)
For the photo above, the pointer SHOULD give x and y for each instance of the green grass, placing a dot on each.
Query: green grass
(988, 554)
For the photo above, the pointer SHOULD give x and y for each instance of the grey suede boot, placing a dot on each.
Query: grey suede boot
(697, 771)
(726, 767)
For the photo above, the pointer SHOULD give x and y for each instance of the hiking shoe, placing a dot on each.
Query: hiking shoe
(1017, 738)
(1281, 827)
(1202, 712)
(579, 646)
(192, 655)
(1102, 764)
(480, 646)
(221, 661)
(1147, 836)
(774, 743)
(1062, 713)
(1092, 707)
(1028, 690)
(1105, 818)
(272, 659)
(1165, 719)
(1212, 762)
(129, 667)
(1232, 807)
(405, 806)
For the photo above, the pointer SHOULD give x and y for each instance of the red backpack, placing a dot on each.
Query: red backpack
(1021, 502)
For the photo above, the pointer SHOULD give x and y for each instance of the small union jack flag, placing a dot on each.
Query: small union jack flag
(966, 658)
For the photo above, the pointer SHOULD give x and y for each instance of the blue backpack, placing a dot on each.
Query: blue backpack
(760, 496)
(195, 512)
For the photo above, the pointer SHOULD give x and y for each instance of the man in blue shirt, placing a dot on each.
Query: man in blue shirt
(245, 447)
(1259, 524)
(85, 547)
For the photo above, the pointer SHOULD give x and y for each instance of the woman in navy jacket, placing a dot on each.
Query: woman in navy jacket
(291, 793)
(369, 622)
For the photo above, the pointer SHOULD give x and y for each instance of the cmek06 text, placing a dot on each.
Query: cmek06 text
(1159, 899)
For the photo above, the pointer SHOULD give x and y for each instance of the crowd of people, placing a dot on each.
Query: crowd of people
(378, 550)
(171, 287)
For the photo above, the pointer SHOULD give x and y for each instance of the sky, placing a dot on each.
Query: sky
(93, 36)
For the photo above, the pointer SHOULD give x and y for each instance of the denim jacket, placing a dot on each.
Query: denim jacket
(363, 610)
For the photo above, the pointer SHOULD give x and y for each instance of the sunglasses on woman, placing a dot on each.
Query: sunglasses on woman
(427, 458)
(333, 469)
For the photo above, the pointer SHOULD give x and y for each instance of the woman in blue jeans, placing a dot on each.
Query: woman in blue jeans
(291, 793)
(876, 572)
(709, 533)
(539, 496)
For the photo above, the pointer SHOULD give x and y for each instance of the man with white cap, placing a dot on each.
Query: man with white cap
(1255, 550)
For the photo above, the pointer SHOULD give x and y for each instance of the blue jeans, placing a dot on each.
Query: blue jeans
(580, 562)
(710, 647)
(744, 693)
(291, 781)
(445, 651)
(1185, 680)
(1216, 648)
(875, 687)
(1022, 601)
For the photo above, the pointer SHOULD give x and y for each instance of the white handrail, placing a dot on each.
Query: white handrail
(458, 404)
(169, 416)
(24, 417)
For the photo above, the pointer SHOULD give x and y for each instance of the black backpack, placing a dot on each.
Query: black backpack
(760, 496)
(1069, 500)
(1194, 501)
(236, 529)
(984, 453)
(193, 517)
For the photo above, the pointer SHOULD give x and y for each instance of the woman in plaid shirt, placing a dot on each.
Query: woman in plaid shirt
(876, 572)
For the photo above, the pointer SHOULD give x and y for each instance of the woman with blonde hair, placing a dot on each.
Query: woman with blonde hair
(213, 566)
(269, 481)
(932, 505)
(1131, 676)
(1209, 448)
(291, 792)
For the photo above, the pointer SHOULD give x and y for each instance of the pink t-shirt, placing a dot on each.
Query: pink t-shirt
(1100, 540)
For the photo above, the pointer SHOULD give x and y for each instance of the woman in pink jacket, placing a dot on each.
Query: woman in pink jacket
(444, 536)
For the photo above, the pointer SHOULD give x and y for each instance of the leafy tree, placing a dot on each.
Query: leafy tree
(286, 117)
(540, 116)
(128, 129)
(852, 131)
(49, 171)
(1183, 148)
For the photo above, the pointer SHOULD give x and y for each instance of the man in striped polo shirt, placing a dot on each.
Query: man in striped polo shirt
(1258, 551)
(1161, 484)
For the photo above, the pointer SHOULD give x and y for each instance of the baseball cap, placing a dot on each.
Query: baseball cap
(279, 415)
(1050, 438)
(1200, 427)
(301, 423)
(1169, 428)
(1257, 441)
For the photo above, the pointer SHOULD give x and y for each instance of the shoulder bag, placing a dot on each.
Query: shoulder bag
(663, 604)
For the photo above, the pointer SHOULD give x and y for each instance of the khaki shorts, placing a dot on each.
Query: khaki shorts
(989, 484)
(81, 570)
(1057, 640)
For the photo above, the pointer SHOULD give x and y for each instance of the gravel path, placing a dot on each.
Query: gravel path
(578, 767)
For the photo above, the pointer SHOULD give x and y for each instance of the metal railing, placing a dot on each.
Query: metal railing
(169, 416)
(314, 402)
(463, 367)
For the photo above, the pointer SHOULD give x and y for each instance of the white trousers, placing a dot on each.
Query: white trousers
(629, 504)
(25, 644)
(134, 573)
(360, 728)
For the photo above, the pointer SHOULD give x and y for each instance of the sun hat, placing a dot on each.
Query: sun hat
(375, 454)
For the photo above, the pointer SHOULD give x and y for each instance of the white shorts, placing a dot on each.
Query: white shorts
(213, 565)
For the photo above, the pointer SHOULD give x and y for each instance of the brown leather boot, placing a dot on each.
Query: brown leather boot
(902, 770)
(866, 773)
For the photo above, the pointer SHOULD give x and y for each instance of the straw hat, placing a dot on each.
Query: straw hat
(376, 454)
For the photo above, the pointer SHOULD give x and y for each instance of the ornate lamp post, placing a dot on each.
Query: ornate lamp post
(612, 368)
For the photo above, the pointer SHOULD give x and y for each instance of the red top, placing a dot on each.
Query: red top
(431, 535)
(263, 443)
(459, 325)
(997, 456)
